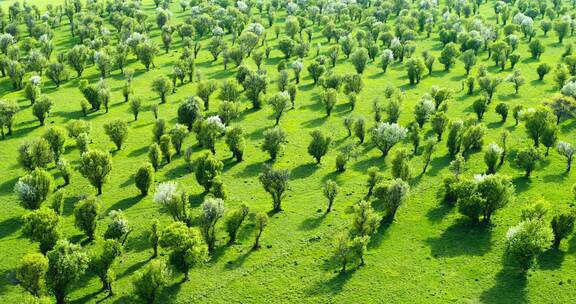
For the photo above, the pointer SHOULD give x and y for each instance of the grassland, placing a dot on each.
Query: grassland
(429, 254)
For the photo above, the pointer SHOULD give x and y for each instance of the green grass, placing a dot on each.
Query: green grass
(429, 254)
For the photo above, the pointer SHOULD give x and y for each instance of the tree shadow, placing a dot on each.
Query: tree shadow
(382, 232)
(177, 172)
(303, 171)
(363, 165)
(9, 226)
(510, 287)
(462, 238)
(521, 183)
(332, 286)
(239, 261)
(126, 203)
(551, 259)
(133, 268)
(140, 151)
(437, 164)
(316, 122)
(251, 170)
(313, 222)
(439, 212)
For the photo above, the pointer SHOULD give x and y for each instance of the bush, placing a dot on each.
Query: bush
(212, 210)
(208, 168)
(330, 191)
(35, 154)
(527, 159)
(235, 142)
(42, 226)
(261, 221)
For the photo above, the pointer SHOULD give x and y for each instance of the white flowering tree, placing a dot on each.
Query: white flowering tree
(386, 135)
(567, 150)
(173, 199)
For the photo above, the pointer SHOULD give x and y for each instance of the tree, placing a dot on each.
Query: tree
(96, 165)
(516, 79)
(35, 154)
(235, 142)
(480, 107)
(386, 135)
(144, 178)
(67, 262)
(174, 200)
(234, 222)
(549, 138)
(563, 107)
(422, 110)
(448, 55)
(359, 59)
(562, 28)
(286, 46)
(543, 69)
(329, 98)
(365, 221)
(400, 166)
(56, 138)
(189, 112)
(319, 145)
(392, 194)
(274, 140)
(31, 273)
(146, 52)
(149, 283)
(42, 107)
(279, 103)
(276, 183)
(57, 73)
(386, 59)
(536, 122)
(492, 156)
(155, 156)
(261, 221)
(117, 131)
(469, 60)
(162, 86)
(562, 226)
(472, 137)
(489, 85)
(187, 249)
(212, 211)
(33, 88)
(415, 68)
(454, 140)
(429, 148)
(439, 122)
(135, 106)
(204, 90)
(330, 191)
(209, 130)
(8, 110)
(502, 110)
(527, 159)
(536, 48)
(33, 189)
(41, 226)
(360, 129)
(77, 57)
(86, 215)
(316, 70)
(102, 260)
(208, 168)
(118, 228)
(526, 240)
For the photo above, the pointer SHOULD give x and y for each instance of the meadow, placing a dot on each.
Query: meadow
(429, 252)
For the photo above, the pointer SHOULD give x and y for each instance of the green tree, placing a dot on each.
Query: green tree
(33, 188)
(42, 107)
(96, 165)
(330, 191)
(562, 226)
(279, 103)
(234, 221)
(41, 226)
(526, 240)
(117, 131)
(392, 194)
(274, 140)
(144, 178)
(67, 262)
(208, 168)
(359, 59)
(31, 273)
(151, 281)
(276, 183)
(162, 86)
(86, 215)
(319, 145)
(235, 142)
(102, 259)
(449, 55)
(212, 210)
(261, 221)
(527, 159)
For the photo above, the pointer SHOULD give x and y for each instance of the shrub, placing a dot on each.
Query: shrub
(234, 222)
(212, 210)
(392, 194)
(86, 216)
(67, 262)
(117, 130)
(276, 183)
(562, 226)
(31, 273)
(41, 226)
(274, 140)
(526, 240)
(208, 168)
(33, 189)
(149, 283)
(319, 145)
(96, 165)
